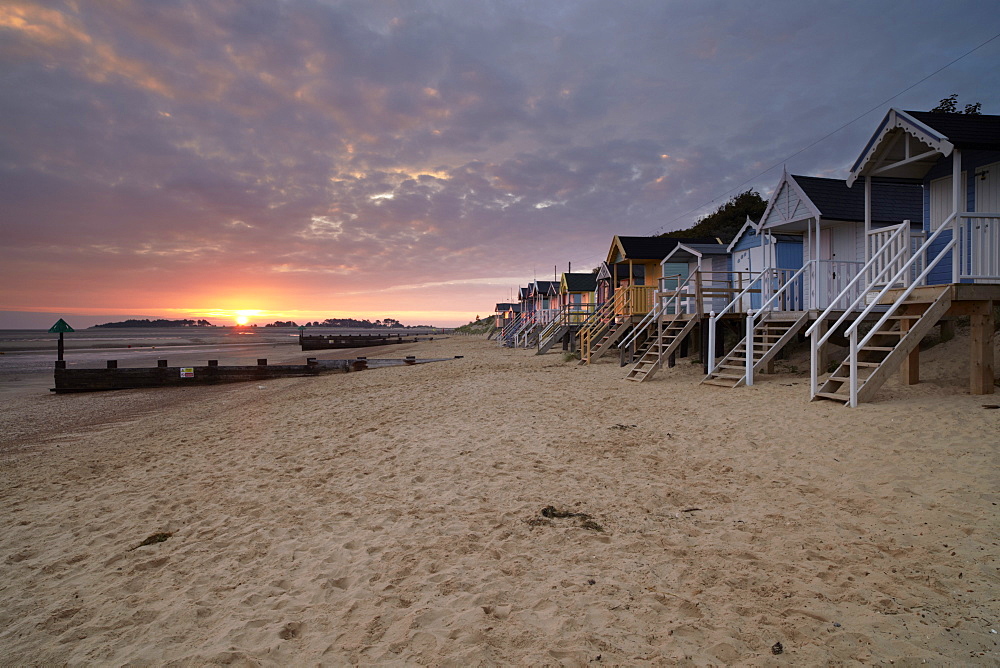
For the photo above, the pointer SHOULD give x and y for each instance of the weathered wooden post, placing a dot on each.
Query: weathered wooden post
(60, 328)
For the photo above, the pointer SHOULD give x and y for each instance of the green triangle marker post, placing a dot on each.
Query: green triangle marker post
(60, 328)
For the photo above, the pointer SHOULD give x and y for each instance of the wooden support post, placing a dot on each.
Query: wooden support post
(698, 306)
(981, 366)
(823, 358)
(947, 329)
(909, 370)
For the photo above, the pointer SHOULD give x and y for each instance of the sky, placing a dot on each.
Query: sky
(419, 159)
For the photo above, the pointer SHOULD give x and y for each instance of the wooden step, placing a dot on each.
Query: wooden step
(716, 381)
(835, 397)
(846, 365)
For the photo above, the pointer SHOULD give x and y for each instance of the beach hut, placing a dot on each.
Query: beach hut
(954, 271)
(543, 297)
(752, 251)
(577, 297)
(827, 220)
(628, 279)
(698, 279)
(522, 314)
(507, 318)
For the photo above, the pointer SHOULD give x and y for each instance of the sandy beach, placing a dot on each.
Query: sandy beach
(503, 508)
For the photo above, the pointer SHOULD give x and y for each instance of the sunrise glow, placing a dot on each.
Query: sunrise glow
(377, 161)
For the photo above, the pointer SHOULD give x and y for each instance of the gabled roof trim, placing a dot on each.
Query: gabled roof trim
(788, 179)
(747, 225)
(894, 119)
(699, 253)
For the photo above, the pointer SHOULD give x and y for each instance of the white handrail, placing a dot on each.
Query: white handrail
(646, 319)
(714, 318)
(899, 274)
(752, 321)
(857, 277)
(853, 329)
(659, 307)
(818, 342)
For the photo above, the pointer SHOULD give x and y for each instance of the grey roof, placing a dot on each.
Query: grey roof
(546, 286)
(892, 201)
(970, 131)
(656, 248)
(581, 282)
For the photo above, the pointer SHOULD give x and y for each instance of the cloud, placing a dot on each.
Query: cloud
(304, 150)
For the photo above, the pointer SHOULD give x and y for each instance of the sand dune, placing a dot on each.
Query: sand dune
(395, 516)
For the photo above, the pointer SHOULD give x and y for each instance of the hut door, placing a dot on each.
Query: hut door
(985, 232)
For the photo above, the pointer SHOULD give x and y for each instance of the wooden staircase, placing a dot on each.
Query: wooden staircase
(612, 334)
(887, 349)
(660, 347)
(556, 335)
(770, 335)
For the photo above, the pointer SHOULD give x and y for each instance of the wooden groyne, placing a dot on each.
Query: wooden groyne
(113, 378)
(354, 341)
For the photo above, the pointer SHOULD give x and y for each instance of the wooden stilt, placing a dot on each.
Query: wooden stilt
(909, 370)
(947, 329)
(823, 358)
(981, 367)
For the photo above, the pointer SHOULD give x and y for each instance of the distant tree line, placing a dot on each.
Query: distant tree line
(154, 323)
(949, 105)
(384, 323)
(728, 219)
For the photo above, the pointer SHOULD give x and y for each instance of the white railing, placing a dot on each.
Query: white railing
(882, 246)
(856, 287)
(979, 246)
(507, 333)
(839, 282)
(546, 315)
(790, 296)
(780, 289)
(554, 323)
(785, 289)
(729, 308)
(877, 278)
(661, 304)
